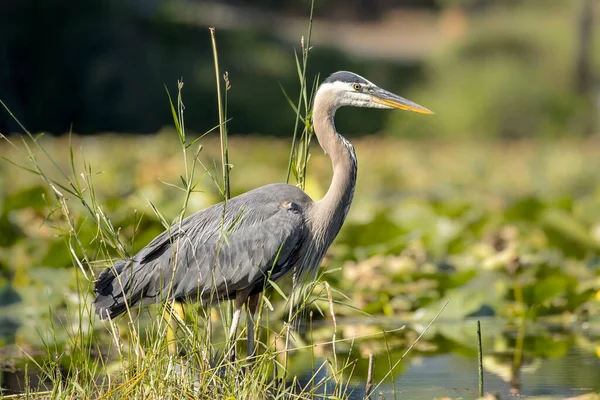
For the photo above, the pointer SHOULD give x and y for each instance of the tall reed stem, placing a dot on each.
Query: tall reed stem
(302, 96)
(222, 125)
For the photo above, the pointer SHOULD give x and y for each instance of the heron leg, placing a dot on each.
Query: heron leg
(251, 309)
(241, 296)
(235, 321)
(176, 308)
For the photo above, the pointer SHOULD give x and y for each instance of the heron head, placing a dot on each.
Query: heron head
(345, 88)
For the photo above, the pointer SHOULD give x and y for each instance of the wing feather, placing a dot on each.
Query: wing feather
(211, 254)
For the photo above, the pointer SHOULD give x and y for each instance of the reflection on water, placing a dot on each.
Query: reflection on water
(456, 376)
(529, 360)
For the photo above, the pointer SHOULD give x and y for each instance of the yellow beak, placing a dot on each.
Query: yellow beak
(389, 99)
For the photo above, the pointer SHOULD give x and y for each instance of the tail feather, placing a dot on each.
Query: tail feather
(110, 292)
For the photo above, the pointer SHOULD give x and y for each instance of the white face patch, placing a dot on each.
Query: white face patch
(340, 94)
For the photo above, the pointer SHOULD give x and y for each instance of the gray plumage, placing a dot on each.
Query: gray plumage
(260, 235)
(228, 250)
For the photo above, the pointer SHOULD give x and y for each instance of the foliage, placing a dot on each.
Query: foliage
(512, 230)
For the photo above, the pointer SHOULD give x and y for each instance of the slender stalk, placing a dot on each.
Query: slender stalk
(312, 350)
(369, 385)
(480, 358)
(389, 357)
(515, 378)
(222, 126)
(301, 96)
(223, 136)
(334, 319)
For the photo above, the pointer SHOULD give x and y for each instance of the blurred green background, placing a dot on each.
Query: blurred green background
(489, 68)
(493, 202)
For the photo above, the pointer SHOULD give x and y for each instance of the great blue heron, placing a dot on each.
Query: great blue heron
(226, 251)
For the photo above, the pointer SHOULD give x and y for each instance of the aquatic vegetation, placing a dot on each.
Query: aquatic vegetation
(522, 248)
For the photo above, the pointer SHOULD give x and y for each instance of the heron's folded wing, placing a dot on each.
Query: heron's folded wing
(205, 256)
(241, 258)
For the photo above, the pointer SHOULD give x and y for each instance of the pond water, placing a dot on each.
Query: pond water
(541, 360)
(532, 361)
(456, 376)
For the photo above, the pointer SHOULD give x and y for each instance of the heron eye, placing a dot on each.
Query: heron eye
(356, 86)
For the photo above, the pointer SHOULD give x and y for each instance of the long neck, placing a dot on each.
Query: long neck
(330, 212)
